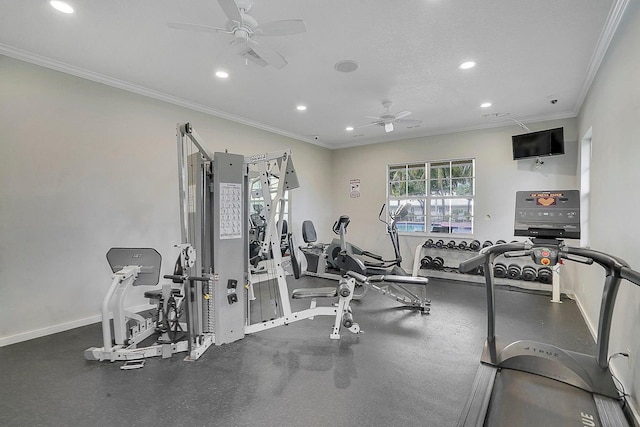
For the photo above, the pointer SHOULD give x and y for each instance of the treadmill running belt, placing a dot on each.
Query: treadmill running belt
(522, 399)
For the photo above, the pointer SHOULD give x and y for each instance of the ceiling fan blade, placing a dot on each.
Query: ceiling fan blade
(282, 28)
(230, 8)
(409, 121)
(370, 124)
(267, 54)
(388, 127)
(196, 27)
(372, 117)
(402, 114)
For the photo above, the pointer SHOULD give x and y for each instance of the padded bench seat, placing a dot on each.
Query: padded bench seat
(156, 294)
(405, 280)
(326, 292)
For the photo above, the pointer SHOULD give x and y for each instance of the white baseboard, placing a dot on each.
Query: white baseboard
(593, 330)
(54, 329)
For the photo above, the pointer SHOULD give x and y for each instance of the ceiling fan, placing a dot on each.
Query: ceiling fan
(387, 119)
(244, 28)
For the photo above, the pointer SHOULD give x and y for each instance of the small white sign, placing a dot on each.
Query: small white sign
(355, 188)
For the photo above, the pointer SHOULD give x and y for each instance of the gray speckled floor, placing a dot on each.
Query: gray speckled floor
(406, 369)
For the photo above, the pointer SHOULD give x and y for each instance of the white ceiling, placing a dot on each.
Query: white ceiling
(527, 53)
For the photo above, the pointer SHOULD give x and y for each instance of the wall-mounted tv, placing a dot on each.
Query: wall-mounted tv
(548, 142)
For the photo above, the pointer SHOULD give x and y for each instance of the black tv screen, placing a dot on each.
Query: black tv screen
(537, 144)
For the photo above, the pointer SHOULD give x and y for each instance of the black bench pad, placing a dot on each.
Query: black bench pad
(327, 292)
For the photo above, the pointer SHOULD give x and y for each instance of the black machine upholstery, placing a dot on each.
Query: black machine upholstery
(309, 232)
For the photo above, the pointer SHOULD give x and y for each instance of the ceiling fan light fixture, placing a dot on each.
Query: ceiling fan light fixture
(388, 127)
(467, 65)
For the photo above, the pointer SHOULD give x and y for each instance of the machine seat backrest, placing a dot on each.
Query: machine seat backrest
(309, 232)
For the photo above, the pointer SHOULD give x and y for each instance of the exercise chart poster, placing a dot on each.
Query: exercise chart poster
(355, 188)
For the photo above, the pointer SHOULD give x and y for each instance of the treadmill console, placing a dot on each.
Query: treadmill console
(547, 256)
(548, 214)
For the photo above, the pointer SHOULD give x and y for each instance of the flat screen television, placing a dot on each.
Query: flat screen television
(548, 142)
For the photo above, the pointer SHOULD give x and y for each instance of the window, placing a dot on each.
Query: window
(440, 195)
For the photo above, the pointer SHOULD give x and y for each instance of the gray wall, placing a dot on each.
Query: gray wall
(612, 111)
(498, 177)
(85, 167)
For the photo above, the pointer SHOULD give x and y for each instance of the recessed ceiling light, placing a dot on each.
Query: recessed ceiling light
(349, 128)
(61, 6)
(466, 65)
(222, 74)
(485, 105)
(301, 107)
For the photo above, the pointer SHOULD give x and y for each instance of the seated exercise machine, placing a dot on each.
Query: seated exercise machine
(214, 267)
(528, 383)
(390, 285)
(316, 255)
(375, 263)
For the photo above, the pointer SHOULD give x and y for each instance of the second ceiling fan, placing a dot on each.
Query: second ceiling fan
(387, 119)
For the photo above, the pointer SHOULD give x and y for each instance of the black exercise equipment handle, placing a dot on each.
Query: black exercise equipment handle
(380, 214)
(194, 278)
(630, 275)
(517, 254)
(478, 260)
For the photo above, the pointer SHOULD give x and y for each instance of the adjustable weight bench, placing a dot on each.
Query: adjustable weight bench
(342, 310)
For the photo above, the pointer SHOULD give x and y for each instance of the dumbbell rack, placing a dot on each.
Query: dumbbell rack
(453, 257)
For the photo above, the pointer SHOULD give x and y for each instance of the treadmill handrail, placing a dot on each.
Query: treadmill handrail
(613, 266)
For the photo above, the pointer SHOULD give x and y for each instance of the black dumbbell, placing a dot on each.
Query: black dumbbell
(462, 245)
(487, 243)
(475, 245)
(425, 263)
(500, 270)
(529, 273)
(514, 271)
(499, 242)
(440, 244)
(428, 243)
(438, 263)
(545, 275)
(452, 244)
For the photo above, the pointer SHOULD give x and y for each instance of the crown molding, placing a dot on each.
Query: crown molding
(608, 31)
(42, 61)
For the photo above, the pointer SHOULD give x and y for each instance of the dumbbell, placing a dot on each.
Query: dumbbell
(487, 243)
(475, 245)
(529, 273)
(499, 242)
(452, 244)
(438, 263)
(500, 270)
(440, 244)
(514, 272)
(545, 275)
(462, 245)
(428, 243)
(426, 262)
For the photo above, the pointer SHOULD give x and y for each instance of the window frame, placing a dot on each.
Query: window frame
(426, 197)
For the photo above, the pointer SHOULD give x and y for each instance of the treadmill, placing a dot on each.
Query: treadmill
(528, 383)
